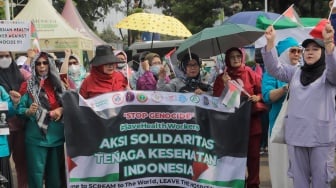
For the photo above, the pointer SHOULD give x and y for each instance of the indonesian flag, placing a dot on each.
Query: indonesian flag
(292, 15)
(33, 33)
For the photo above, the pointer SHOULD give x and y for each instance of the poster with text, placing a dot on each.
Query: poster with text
(150, 138)
(15, 35)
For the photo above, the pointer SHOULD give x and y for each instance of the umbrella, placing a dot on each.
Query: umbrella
(250, 17)
(156, 23)
(215, 40)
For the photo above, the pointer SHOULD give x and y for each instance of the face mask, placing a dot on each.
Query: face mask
(155, 69)
(74, 71)
(121, 65)
(5, 62)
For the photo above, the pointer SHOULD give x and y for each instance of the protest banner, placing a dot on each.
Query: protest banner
(14, 35)
(150, 138)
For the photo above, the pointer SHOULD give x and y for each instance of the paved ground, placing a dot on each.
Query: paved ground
(265, 181)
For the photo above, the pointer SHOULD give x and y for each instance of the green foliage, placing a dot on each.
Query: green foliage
(108, 35)
(2, 14)
(195, 15)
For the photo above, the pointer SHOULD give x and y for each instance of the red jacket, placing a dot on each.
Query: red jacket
(252, 84)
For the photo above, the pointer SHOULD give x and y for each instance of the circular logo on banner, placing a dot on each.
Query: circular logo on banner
(195, 99)
(117, 99)
(129, 96)
(156, 97)
(182, 98)
(142, 98)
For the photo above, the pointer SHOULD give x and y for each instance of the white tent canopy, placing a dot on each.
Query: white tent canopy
(54, 33)
(72, 16)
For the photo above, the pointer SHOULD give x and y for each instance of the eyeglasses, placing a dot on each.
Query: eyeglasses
(6, 56)
(73, 63)
(39, 63)
(295, 50)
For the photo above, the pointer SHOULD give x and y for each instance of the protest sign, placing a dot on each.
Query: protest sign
(150, 138)
(14, 35)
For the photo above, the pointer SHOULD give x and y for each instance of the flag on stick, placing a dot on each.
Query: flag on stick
(316, 32)
(291, 14)
(331, 9)
(33, 33)
(169, 61)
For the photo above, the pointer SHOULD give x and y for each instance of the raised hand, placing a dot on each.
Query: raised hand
(32, 109)
(270, 37)
(226, 77)
(15, 97)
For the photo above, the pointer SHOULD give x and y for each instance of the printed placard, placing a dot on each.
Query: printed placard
(14, 35)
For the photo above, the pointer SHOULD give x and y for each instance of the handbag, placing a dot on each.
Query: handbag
(278, 130)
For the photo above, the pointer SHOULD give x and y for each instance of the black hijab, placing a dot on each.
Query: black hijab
(312, 72)
(11, 77)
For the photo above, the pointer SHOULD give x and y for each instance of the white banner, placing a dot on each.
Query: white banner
(14, 35)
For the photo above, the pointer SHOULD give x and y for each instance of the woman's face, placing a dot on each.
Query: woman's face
(156, 61)
(312, 53)
(192, 69)
(121, 57)
(109, 68)
(295, 55)
(42, 66)
(235, 59)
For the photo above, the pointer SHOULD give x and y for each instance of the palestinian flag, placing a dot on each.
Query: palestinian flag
(33, 33)
(231, 95)
(292, 15)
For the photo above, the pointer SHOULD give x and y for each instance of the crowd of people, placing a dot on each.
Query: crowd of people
(33, 87)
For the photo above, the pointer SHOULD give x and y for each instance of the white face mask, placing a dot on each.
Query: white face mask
(74, 71)
(5, 62)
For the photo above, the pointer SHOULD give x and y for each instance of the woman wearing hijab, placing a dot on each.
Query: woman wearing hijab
(151, 66)
(310, 131)
(74, 70)
(104, 77)
(11, 77)
(191, 82)
(274, 92)
(238, 71)
(42, 106)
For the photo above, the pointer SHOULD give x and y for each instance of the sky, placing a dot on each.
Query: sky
(114, 17)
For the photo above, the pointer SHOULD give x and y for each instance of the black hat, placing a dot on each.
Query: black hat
(104, 55)
(319, 42)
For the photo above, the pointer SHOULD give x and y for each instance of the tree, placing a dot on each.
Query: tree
(108, 35)
(196, 14)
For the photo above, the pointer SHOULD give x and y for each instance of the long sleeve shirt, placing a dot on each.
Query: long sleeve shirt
(311, 115)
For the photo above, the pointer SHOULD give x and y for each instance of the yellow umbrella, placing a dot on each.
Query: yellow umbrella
(155, 23)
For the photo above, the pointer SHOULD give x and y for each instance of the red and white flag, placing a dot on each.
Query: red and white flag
(33, 33)
(292, 15)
